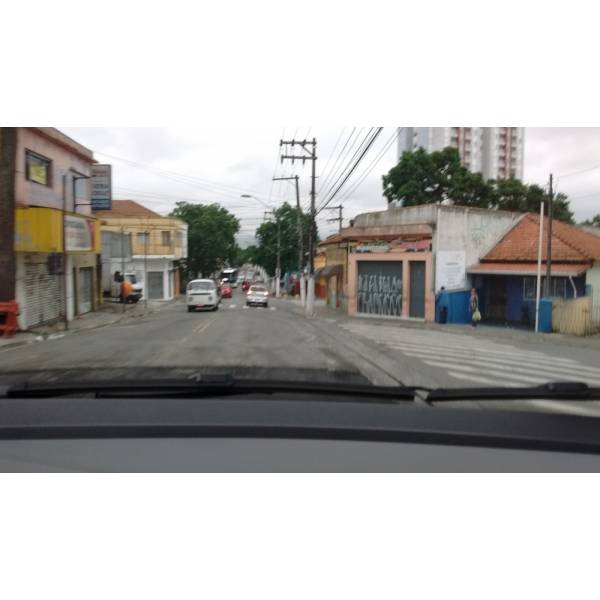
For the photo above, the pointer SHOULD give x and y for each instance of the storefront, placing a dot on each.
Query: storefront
(391, 284)
(45, 285)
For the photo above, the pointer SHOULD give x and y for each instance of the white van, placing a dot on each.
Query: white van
(202, 293)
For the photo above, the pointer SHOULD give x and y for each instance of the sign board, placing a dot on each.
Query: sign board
(101, 187)
(450, 270)
(368, 248)
(79, 234)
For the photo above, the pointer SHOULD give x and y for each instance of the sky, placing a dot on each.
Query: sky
(159, 166)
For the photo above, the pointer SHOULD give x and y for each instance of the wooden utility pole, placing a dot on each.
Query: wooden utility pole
(339, 208)
(298, 218)
(548, 288)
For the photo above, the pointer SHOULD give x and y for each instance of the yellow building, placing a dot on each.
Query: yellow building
(157, 245)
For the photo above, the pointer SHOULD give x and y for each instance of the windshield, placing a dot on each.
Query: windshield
(201, 286)
(419, 260)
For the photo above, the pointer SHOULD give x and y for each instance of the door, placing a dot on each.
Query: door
(86, 289)
(380, 288)
(417, 289)
(155, 285)
(496, 307)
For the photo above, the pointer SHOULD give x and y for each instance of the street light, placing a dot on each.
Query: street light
(254, 198)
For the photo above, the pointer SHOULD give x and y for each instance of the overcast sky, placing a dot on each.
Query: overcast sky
(220, 164)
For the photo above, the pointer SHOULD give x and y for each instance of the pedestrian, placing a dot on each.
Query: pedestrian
(474, 306)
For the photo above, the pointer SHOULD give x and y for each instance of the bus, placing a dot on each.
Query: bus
(231, 275)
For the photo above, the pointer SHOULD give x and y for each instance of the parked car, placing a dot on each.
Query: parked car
(203, 294)
(245, 285)
(258, 295)
(226, 290)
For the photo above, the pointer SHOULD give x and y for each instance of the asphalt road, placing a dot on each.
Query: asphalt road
(279, 342)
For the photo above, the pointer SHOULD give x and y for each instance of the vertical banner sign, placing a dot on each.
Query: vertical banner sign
(451, 270)
(101, 187)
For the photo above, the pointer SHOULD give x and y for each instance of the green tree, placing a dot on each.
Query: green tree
(266, 236)
(211, 236)
(594, 221)
(428, 178)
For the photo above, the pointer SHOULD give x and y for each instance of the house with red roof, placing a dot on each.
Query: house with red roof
(506, 276)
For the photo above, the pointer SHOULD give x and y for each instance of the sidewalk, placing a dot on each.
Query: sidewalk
(108, 313)
(508, 334)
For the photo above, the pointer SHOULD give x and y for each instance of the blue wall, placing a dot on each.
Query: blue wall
(457, 304)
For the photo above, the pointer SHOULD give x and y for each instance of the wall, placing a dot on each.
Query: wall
(411, 215)
(472, 230)
(405, 258)
(64, 161)
(177, 249)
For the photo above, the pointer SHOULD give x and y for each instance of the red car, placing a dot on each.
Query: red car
(226, 291)
(245, 285)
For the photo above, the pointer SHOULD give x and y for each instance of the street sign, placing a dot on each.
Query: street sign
(101, 187)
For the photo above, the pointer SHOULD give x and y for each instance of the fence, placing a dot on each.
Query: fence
(579, 316)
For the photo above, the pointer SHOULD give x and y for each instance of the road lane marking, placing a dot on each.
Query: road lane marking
(233, 306)
(203, 326)
(272, 308)
(457, 367)
(477, 379)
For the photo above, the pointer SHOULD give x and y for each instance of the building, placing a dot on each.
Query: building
(407, 255)
(51, 245)
(157, 245)
(495, 152)
(506, 276)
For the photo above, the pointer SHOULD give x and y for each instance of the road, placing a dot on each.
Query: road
(279, 341)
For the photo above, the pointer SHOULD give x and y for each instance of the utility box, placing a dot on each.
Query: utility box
(545, 317)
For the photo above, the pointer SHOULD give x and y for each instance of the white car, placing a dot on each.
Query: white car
(203, 294)
(257, 295)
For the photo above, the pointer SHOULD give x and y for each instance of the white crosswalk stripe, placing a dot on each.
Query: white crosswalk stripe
(479, 361)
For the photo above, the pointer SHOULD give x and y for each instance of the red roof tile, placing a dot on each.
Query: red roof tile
(126, 208)
(569, 243)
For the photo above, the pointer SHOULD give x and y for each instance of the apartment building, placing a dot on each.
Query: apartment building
(495, 152)
(157, 245)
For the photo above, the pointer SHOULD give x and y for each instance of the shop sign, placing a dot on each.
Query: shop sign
(79, 233)
(450, 271)
(369, 248)
(101, 187)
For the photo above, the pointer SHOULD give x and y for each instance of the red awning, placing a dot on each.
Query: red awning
(518, 268)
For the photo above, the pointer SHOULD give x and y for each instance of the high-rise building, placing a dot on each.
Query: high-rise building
(495, 152)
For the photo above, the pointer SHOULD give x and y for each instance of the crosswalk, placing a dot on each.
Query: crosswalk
(477, 361)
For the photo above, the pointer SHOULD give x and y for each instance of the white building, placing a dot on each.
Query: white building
(495, 152)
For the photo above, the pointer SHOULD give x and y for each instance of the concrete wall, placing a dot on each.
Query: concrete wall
(474, 231)
(410, 215)
(592, 278)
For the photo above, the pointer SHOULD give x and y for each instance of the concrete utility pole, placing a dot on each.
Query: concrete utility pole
(548, 290)
(278, 267)
(310, 149)
(539, 269)
(339, 208)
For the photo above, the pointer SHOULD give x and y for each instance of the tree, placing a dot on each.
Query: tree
(594, 221)
(429, 178)
(211, 236)
(425, 177)
(266, 235)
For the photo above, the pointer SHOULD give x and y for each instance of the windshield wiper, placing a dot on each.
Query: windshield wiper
(552, 391)
(208, 385)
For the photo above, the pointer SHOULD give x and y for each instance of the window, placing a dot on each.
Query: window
(80, 190)
(143, 237)
(166, 238)
(558, 287)
(38, 168)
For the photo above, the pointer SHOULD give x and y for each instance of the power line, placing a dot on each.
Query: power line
(353, 168)
(333, 152)
(373, 164)
(349, 162)
(578, 172)
(325, 180)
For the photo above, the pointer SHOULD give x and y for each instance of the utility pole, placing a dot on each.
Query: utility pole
(309, 147)
(339, 208)
(64, 252)
(298, 218)
(278, 267)
(548, 289)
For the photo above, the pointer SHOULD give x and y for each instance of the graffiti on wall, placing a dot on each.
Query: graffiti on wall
(380, 294)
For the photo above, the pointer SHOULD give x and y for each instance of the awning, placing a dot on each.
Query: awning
(329, 271)
(516, 268)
